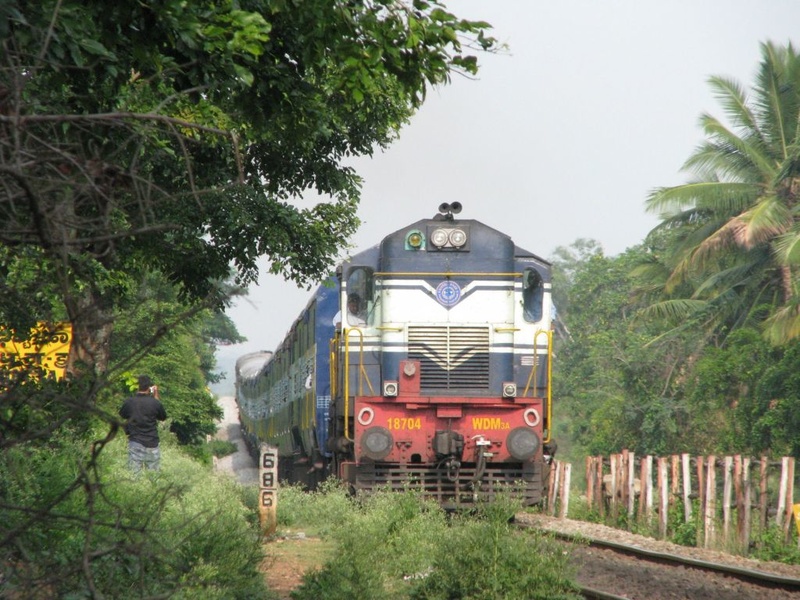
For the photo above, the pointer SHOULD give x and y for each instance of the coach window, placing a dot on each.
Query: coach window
(532, 295)
(359, 296)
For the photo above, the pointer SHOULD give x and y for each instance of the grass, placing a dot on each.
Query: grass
(399, 545)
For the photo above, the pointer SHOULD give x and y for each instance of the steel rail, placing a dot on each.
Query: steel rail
(755, 576)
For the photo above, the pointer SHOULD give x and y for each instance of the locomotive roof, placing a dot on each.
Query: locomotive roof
(519, 252)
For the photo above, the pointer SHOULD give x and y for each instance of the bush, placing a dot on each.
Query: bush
(770, 544)
(486, 559)
(393, 544)
(380, 539)
(181, 531)
(321, 511)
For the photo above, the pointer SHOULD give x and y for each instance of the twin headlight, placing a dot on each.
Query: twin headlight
(444, 237)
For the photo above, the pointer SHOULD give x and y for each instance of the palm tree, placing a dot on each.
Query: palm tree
(734, 230)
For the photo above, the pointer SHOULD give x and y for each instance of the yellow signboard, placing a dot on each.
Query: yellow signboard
(44, 353)
(796, 511)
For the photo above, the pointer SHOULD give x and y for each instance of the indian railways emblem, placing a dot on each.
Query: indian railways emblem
(448, 293)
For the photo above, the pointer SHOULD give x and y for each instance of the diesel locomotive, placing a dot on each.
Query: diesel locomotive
(424, 362)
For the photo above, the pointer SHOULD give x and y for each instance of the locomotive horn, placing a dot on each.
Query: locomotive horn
(444, 208)
(455, 207)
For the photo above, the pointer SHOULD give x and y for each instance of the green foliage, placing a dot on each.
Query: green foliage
(732, 231)
(683, 532)
(614, 390)
(323, 509)
(379, 538)
(179, 360)
(179, 531)
(205, 453)
(220, 448)
(173, 134)
(485, 559)
(394, 545)
(770, 544)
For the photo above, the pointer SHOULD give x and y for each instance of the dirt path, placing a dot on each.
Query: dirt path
(239, 464)
(289, 554)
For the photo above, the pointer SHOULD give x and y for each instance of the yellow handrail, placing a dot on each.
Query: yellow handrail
(532, 376)
(549, 384)
(332, 345)
(362, 375)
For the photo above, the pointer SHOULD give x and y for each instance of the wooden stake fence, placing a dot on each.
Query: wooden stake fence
(721, 490)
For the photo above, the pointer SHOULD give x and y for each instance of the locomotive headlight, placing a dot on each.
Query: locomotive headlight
(415, 240)
(522, 443)
(458, 237)
(376, 443)
(439, 237)
(509, 390)
(390, 389)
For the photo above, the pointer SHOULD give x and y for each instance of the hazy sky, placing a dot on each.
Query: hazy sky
(595, 103)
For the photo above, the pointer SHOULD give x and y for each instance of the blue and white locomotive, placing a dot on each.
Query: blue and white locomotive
(424, 362)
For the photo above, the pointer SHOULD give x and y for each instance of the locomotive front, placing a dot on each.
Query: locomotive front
(442, 364)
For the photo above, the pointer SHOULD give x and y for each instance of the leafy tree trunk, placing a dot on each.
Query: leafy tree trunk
(92, 325)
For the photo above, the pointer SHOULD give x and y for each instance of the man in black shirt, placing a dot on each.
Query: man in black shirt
(142, 413)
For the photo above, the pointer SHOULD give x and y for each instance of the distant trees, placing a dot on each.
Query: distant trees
(690, 341)
(613, 390)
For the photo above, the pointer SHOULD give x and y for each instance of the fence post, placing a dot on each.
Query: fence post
(727, 497)
(590, 467)
(675, 480)
(565, 482)
(614, 460)
(701, 486)
(646, 489)
(598, 487)
(711, 502)
(786, 498)
(663, 497)
(631, 490)
(553, 487)
(687, 488)
(762, 487)
(742, 469)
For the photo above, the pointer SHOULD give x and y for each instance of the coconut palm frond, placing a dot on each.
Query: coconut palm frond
(776, 94)
(787, 247)
(783, 325)
(713, 161)
(674, 310)
(733, 99)
(704, 193)
(727, 139)
(711, 246)
(768, 219)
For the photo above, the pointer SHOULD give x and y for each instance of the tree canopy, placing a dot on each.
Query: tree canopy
(150, 154)
(176, 135)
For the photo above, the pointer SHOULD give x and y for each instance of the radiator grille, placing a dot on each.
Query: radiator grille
(451, 357)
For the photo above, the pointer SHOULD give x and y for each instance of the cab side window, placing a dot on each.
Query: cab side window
(532, 295)
(359, 296)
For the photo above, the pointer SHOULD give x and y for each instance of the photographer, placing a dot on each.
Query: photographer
(142, 413)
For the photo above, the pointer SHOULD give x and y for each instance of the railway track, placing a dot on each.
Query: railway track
(610, 570)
